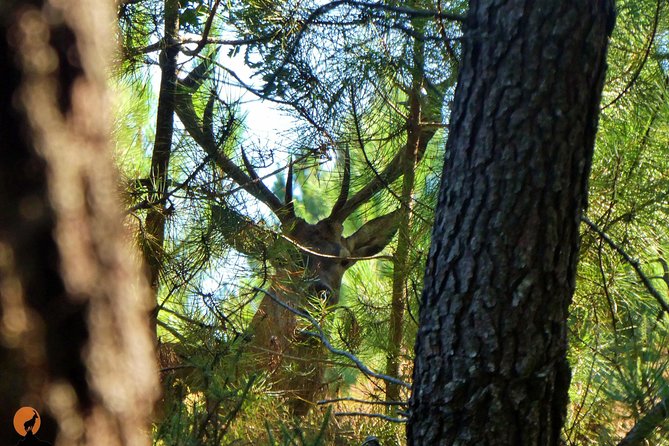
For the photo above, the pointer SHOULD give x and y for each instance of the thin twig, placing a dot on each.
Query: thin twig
(371, 415)
(134, 52)
(635, 76)
(176, 367)
(380, 177)
(413, 12)
(329, 7)
(358, 400)
(183, 185)
(331, 256)
(205, 33)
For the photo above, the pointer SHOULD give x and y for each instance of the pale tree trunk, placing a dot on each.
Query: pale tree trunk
(491, 365)
(75, 340)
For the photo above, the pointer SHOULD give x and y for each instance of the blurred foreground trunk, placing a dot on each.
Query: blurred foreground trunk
(74, 333)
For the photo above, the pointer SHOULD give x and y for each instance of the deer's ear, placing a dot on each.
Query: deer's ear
(374, 235)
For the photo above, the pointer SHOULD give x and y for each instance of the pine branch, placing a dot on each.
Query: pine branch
(646, 425)
(321, 335)
(358, 400)
(633, 262)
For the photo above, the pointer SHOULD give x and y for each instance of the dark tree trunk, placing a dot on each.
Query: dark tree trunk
(491, 364)
(74, 340)
(154, 235)
(23, 180)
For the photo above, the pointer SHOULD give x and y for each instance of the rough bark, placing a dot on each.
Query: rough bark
(491, 364)
(74, 341)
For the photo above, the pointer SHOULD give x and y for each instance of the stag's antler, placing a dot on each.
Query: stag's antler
(345, 185)
(393, 170)
(253, 184)
(203, 135)
(290, 206)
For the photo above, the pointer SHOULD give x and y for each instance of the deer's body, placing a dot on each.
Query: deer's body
(324, 256)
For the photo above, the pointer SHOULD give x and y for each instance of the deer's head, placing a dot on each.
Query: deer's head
(310, 257)
(325, 254)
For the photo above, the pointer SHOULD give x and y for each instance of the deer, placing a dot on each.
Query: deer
(321, 251)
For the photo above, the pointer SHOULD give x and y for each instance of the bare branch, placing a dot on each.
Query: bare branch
(357, 400)
(646, 425)
(634, 263)
(205, 33)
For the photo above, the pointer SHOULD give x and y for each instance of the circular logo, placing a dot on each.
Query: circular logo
(26, 419)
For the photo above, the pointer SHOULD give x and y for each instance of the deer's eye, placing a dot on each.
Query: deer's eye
(324, 292)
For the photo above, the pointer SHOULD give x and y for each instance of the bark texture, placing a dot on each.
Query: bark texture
(491, 364)
(74, 337)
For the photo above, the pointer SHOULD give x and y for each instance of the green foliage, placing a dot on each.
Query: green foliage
(617, 332)
(296, 436)
(345, 75)
(218, 243)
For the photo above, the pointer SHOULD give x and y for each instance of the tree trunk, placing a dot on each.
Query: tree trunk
(154, 235)
(491, 364)
(401, 258)
(74, 338)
